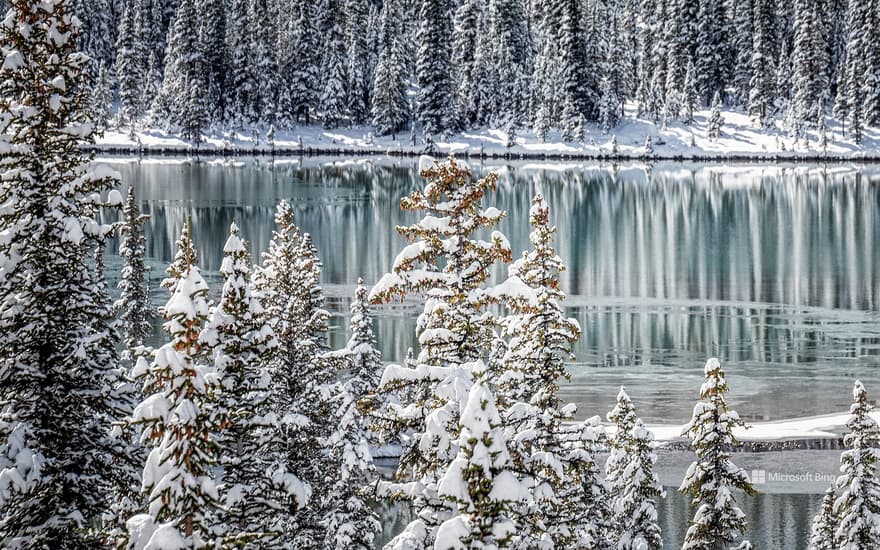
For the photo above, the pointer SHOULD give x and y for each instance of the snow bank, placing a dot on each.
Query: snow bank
(739, 139)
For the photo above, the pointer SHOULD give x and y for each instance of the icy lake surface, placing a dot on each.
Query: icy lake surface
(772, 268)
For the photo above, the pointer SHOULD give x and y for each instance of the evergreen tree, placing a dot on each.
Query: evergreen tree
(824, 524)
(97, 35)
(710, 51)
(565, 505)
(390, 110)
(609, 107)
(762, 87)
(152, 83)
(183, 101)
(360, 70)
(133, 306)
(711, 478)
(542, 123)
(302, 64)
(334, 92)
(238, 78)
(507, 61)
(288, 286)
(102, 99)
(743, 45)
(691, 96)
(262, 63)
(212, 42)
(351, 523)
(850, 93)
(809, 81)
(60, 384)
(257, 491)
(466, 31)
(857, 506)
(179, 420)
(577, 96)
(129, 71)
(782, 101)
(716, 120)
(435, 103)
(453, 333)
(635, 488)
(480, 481)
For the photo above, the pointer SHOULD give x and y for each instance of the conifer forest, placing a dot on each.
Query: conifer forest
(442, 66)
(177, 374)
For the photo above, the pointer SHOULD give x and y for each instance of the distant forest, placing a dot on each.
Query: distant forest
(445, 65)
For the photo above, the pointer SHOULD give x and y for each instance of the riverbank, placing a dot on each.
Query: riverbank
(739, 141)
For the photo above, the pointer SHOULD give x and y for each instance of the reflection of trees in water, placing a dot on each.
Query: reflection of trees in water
(746, 235)
(775, 520)
(651, 253)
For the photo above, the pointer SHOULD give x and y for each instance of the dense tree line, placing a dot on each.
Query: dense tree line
(448, 65)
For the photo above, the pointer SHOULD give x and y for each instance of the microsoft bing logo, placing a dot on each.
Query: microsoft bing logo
(759, 477)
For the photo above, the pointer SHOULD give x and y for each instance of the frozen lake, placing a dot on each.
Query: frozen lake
(772, 268)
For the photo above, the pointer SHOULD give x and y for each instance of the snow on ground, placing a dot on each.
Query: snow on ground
(814, 427)
(739, 139)
(829, 426)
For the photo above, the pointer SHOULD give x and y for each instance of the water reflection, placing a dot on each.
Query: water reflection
(771, 268)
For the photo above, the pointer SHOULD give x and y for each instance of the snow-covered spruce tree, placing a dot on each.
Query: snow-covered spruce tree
(238, 79)
(691, 97)
(824, 524)
(762, 86)
(212, 41)
(480, 481)
(539, 335)
(129, 66)
(334, 92)
(578, 96)
(466, 28)
(782, 101)
(179, 420)
(857, 507)
(710, 49)
(390, 108)
(288, 286)
(716, 120)
(98, 34)
(101, 100)
(133, 306)
(257, 492)
(454, 333)
(59, 374)
(742, 44)
(349, 520)
(299, 63)
(609, 107)
(183, 102)
(567, 503)
(711, 479)
(809, 78)
(262, 63)
(635, 488)
(360, 69)
(435, 103)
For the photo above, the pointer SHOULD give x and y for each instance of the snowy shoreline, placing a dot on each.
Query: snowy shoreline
(467, 154)
(740, 141)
